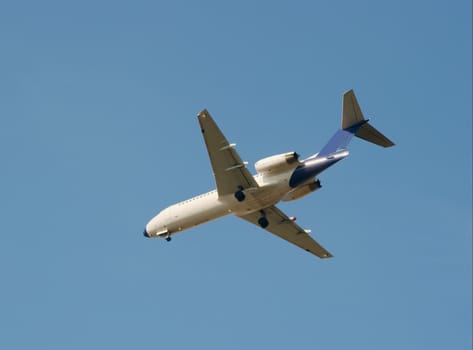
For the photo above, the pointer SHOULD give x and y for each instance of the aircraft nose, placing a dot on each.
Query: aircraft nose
(145, 233)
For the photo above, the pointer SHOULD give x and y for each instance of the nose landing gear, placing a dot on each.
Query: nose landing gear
(167, 236)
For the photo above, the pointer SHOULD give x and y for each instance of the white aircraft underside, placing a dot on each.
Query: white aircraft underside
(279, 177)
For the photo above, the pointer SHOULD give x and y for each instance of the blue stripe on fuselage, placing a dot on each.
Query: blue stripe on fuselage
(331, 153)
(313, 167)
(339, 140)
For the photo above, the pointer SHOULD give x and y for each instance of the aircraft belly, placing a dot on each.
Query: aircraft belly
(256, 200)
(195, 212)
(210, 206)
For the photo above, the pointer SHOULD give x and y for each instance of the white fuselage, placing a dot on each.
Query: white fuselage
(209, 206)
(272, 186)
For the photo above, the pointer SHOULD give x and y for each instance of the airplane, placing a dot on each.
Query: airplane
(281, 177)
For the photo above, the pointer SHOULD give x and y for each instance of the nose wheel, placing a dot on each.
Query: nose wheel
(168, 239)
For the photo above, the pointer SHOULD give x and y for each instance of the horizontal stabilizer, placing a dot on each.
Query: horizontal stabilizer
(369, 133)
(354, 122)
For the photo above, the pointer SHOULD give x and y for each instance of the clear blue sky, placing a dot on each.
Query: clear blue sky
(98, 133)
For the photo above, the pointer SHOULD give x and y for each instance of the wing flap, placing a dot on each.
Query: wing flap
(282, 226)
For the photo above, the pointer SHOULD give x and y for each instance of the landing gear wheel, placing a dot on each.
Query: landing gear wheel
(168, 239)
(240, 196)
(263, 222)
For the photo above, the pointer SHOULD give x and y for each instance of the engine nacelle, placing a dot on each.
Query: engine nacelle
(277, 163)
(302, 191)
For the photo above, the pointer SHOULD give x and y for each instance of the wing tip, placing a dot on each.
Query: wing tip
(325, 255)
(203, 113)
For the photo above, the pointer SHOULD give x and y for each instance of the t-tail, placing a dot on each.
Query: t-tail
(353, 124)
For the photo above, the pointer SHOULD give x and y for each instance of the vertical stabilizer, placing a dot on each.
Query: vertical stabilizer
(351, 112)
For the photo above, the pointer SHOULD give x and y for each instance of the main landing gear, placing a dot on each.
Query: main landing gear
(239, 195)
(262, 221)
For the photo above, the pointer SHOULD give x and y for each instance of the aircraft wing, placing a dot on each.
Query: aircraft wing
(231, 173)
(284, 227)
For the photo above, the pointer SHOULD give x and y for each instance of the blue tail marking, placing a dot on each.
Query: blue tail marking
(340, 140)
